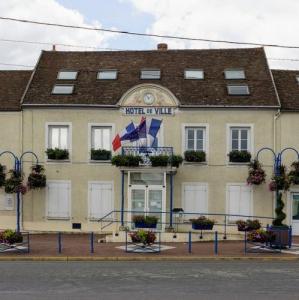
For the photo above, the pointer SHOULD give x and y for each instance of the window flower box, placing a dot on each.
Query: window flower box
(126, 160)
(100, 154)
(202, 223)
(195, 156)
(159, 160)
(236, 156)
(57, 154)
(176, 160)
(145, 222)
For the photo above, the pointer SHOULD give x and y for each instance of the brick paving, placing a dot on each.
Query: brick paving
(73, 245)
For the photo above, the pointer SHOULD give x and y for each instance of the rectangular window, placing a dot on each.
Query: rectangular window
(107, 75)
(63, 89)
(238, 90)
(239, 201)
(194, 74)
(101, 137)
(240, 139)
(195, 198)
(150, 74)
(195, 138)
(67, 75)
(58, 136)
(234, 74)
(58, 199)
(100, 199)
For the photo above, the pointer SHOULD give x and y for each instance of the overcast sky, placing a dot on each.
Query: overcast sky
(262, 21)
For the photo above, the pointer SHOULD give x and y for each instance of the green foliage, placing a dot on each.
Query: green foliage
(281, 181)
(239, 156)
(294, 173)
(10, 237)
(126, 160)
(175, 160)
(13, 184)
(146, 220)
(280, 215)
(100, 154)
(248, 225)
(202, 221)
(58, 154)
(256, 174)
(260, 236)
(2, 175)
(36, 178)
(195, 156)
(144, 237)
(159, 160)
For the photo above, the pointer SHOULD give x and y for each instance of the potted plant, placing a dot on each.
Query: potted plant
(279, 230)
(294, 173)
(239, 156)
(14, 184)
(175, 160)
(100, 154)
(57, 154)
(202, 223)
(141, 221)
(10, 237)
(2, 175)
(37, 178)
(248, 225)
(260, 236)
(126, 160)
(159, 160)
(256, 174)
(146, 238)
(195, 156)
(280, 181)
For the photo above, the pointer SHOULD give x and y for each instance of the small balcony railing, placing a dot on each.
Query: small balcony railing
(146, 152)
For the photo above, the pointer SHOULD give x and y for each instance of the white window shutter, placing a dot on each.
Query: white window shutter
(195, 199)
(245, 201)
(234, 201)
(58, 199)
(52, 200)
(9, 201)
(63, 198)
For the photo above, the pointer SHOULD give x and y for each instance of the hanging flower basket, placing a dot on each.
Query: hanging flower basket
(14, 184)
(2, 175)
(294, 173)
(256, 174)
(36, 178)
(280, 182)
(248, 225)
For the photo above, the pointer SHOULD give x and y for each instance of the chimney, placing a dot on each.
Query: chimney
(162, 47)
(54, 48)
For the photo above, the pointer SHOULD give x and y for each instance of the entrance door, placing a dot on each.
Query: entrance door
(149, 201)
(295, 213)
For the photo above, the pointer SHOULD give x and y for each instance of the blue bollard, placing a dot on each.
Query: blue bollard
(245, 241)
(28, 242)
(216, 243)
(59, 243)
(190, 243)
(91, 242)
(290, 237)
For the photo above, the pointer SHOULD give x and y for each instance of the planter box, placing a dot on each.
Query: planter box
(281, 236)
(145, 225)
(202, 227)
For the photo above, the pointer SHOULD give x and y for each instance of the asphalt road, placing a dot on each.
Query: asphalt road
(149, 280)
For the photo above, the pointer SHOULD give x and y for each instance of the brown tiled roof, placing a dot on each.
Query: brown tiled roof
(12, 87)
(212, 91)
(287, 88)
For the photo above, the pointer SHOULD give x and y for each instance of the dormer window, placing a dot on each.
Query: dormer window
(238, 90)
(67, 75)
(107, 75)
(63, 89)
(194, 74)
(234, 74)
(150, 74)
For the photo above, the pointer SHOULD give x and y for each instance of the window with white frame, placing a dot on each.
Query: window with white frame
(238, 89)
(195, 138)
(100, 199)
(67, 75)
(58, 136)
(107, 75)
(234, 74)
(101, 137)
(239, 197)
(150, 74)
(194, 74)
(63, 89)
(58, 199)
(240, 139)
(195, 198)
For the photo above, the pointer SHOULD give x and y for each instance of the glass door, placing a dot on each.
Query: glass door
(138, 200)
(295, 213)
(155, 203)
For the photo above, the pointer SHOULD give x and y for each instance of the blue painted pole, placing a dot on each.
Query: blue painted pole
(224, 237)
(245, 241)
(216, 243)
(190, 242)
(122, 197)
(91, 242)
(126, 241)
(59, 242)
(290, 237)
(17, 169)
(28, 242)
(171, 202)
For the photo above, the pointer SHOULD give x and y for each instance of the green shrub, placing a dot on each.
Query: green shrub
(159, 160)
(280, 215)
(195, 156)
(126, 160)
(175, 160)
(57, 154)
(10, 237)
(36, 178)
(2, 175)
(204, 221)
(100, 154)
(239, 156)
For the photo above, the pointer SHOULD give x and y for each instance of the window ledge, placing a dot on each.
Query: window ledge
(238, 163)
(59, 218)
(95, 161)
(58, 161)
(204, 163)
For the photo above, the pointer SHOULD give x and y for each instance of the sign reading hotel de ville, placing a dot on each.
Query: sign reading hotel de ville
(148, 99)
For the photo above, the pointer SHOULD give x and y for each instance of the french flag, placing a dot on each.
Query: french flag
(123, 137)
(153, 130)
